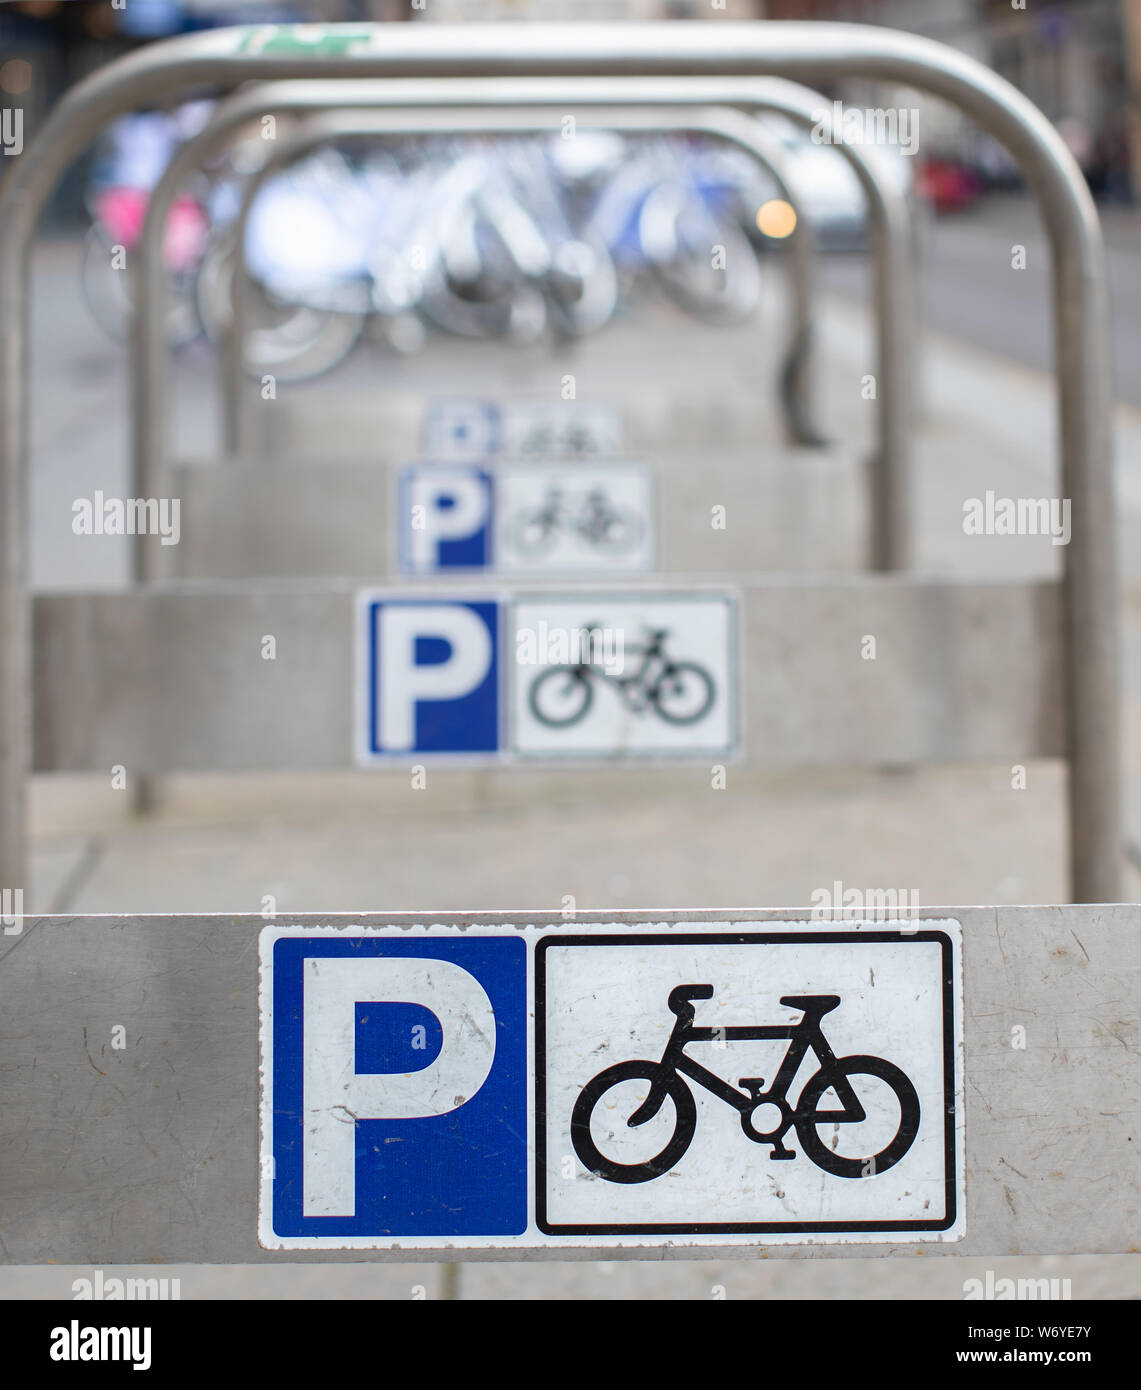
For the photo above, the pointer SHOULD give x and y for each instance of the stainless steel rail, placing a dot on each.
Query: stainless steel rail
(888, 469)
(730, 126)
(818, 52)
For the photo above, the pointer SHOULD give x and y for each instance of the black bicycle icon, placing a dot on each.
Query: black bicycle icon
(593, 519)
(766, 1115)
(575, 440)
(680, 692)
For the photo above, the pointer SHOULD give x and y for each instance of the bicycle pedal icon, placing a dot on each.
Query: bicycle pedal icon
(766, 1114)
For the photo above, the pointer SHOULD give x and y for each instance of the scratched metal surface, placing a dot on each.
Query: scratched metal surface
(149, 1154)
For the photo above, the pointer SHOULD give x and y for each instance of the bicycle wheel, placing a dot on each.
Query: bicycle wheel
(809, 1118)
(683, 693)
(582, 287)
(678, 232)
(582, 1137)
(561, 696)
(107, 293)
(533, 533)
(292, 342)
(616, 531)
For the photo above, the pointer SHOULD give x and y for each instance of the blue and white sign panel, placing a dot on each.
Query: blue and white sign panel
(560, 429)
(470, 429)
(461, 429)
(391, 1063)
(524, 518)
(445, 518)
(635, 676)
(429, 676)
(688, 1084)
(573, 674)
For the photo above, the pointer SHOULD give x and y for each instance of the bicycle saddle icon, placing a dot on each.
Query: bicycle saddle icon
(766, 1114)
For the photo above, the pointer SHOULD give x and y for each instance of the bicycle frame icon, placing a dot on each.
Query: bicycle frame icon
(766, 1114)
(680, 692)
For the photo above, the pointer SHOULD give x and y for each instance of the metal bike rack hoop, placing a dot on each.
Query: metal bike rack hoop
(889, 467)
(730, 126)
(819, 52)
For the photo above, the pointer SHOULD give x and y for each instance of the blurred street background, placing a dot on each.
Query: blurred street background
(692, 374)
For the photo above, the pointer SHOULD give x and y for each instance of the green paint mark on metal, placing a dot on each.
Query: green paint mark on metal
(310, 39)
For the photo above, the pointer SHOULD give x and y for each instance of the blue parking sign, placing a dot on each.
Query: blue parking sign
(445, 518)
(429, 678)
(461, 427)
(395, 1086)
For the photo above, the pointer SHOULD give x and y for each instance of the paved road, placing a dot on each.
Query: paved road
(970, 291)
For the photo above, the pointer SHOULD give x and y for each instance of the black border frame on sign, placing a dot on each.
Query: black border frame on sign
(746, 1227)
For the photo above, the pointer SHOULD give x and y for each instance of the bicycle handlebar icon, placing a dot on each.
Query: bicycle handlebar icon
(665, 1078)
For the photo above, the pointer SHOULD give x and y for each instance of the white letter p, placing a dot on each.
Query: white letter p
(335, 1096)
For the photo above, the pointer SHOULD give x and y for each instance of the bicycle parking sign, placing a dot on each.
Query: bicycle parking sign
(524, 518)
(695, 1084)
(471, 429)
(572, 674)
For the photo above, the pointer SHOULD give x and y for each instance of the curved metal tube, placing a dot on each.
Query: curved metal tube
(729, 125)
(815, 51)
(888, 470)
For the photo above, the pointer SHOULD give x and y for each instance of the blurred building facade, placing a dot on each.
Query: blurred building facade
(1079, 61)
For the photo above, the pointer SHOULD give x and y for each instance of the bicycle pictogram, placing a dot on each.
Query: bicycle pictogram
(680, 692)
(766, 1115)
(593, 519)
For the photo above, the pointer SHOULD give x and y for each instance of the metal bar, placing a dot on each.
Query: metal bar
(820, 52)
(172, 1117)
(286, 518)
(200, 697)
(729, 125)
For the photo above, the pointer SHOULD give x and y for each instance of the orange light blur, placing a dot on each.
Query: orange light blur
(776, 218)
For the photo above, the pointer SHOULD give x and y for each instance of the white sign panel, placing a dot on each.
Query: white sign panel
(570, 429)
(572, 674)
(621, 1085)
(583, 517)
(471, 429)
(598, 676)
(524, 518)
(747, 1083)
